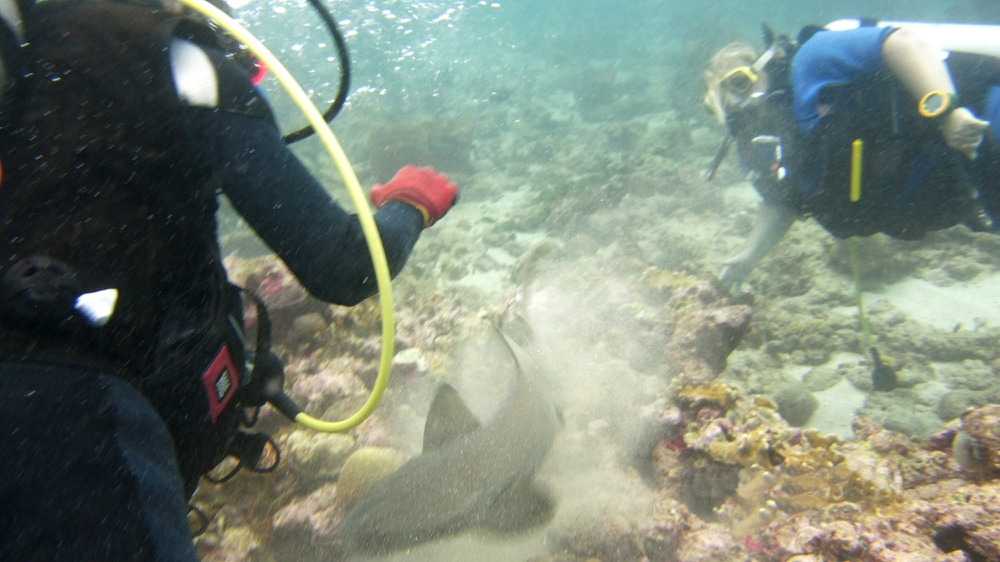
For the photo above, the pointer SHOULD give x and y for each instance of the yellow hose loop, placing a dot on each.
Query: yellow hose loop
(357, 198)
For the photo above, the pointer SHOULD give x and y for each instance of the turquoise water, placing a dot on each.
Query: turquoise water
(440, 57)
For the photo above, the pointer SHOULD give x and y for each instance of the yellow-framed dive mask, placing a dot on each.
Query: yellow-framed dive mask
(740, 81)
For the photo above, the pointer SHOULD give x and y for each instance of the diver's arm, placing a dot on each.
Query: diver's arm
(771, 225)
(920, 68)
(323, 246)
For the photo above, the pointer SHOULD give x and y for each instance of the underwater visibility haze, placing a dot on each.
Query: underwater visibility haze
(693, 424)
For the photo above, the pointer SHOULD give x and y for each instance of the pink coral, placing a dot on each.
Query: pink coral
(310, 518)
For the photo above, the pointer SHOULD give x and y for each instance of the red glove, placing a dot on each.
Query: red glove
(423, 188)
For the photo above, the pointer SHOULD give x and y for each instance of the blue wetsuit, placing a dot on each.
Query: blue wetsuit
(912, 181)
(835, 58)
(831, 59)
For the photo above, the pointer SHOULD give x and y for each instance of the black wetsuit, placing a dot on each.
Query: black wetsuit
(108, 174)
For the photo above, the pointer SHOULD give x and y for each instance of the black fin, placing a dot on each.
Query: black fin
(883, 376)
(767, 34)
(448, 419)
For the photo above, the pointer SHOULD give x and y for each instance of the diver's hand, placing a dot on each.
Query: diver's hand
(424, 188)
(736, 269)
(771, 225)
(964, 132)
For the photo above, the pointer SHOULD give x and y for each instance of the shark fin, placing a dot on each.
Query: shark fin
(449, 418)
(520, 507)
(517, 328)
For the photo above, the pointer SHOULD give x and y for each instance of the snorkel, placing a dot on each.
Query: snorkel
(318, 125)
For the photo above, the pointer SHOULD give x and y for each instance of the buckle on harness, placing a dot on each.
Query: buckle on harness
(221, 381)
(776, 168)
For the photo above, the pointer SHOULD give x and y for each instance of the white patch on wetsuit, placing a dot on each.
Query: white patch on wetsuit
(98, 306)
(194, 74)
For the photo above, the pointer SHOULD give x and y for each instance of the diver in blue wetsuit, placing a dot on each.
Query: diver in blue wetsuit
(123, 372)
(796, 111)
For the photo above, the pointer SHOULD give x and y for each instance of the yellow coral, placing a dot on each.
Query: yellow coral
(666, 279)
(807, 483)
(801, 502)
(817, 440)
(764, 402)
(714, 392)
(751, 449)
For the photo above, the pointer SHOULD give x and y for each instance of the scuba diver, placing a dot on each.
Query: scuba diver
(863, 126)
(124, 374)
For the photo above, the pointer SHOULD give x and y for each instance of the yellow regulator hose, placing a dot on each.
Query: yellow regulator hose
(357, 198)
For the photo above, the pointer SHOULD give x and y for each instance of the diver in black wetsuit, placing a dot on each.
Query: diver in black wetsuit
(930, 132)
(123, 374)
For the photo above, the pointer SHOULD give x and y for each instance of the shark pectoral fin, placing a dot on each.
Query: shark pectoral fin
(517, 328)
(449, 418)
(521, 507)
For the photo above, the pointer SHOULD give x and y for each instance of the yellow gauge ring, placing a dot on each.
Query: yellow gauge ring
(937, 103)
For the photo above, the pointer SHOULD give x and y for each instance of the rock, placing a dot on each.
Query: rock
(410, 363)
(954, 403)
(982, 425)
(795, 403)
(704, 339)
(309, 517)
(318, 455)
(823, 377)
(308, 327)
(363, 468)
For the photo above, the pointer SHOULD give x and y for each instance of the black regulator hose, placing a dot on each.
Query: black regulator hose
(345, 75)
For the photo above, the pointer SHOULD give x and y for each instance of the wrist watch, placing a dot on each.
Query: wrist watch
(937, 104)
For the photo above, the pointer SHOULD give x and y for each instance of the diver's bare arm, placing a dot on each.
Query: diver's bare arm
(770, 227)
(920, 68)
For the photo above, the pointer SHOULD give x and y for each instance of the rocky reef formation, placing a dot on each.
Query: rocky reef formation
(708, 326)
(689, 414)
(734, 482)
(721, 474)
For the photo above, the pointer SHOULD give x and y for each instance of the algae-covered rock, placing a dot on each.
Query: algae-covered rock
(363, 468)
(901, 410)
(955, 402)
(982, 426)
(795, 403)
(318, 455)
(823, 377)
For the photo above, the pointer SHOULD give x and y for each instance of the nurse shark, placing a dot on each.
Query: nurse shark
(469, 476)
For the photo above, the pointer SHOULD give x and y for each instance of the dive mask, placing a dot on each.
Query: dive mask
(740, 81)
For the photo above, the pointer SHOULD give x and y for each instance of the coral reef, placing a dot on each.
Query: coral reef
(977, 445)
(693, 413)
(795, 403)
(707, 326)
(796, 495)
